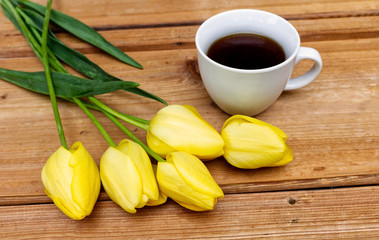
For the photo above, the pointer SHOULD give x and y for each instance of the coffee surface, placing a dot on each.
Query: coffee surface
(246, 51)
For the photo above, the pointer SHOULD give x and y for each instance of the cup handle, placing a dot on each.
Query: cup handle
(308, 77)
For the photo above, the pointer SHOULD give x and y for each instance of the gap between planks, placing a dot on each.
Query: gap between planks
(245, 188)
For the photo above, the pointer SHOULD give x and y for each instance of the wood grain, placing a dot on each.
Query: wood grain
(332, 125)
(325, 147)
(147, 13)
(346, 213)
(182, 37)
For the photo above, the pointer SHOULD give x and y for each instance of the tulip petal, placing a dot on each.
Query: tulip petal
(57, 176)
(161, 199)
(173, 186)
(181, 128)
(121, 179)
(288, 157)
(194, 207)
(142, 161)
(249, 145)
(195, 173)
(243, 118)
(157, 145)
(85, 185)
(57, 165)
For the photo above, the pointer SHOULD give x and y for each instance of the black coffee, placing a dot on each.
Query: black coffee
(246, 51)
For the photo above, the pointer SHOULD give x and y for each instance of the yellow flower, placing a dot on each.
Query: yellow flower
(185, 179)
(181, 128)
(71, 179)
(251, 143)
(127, 176)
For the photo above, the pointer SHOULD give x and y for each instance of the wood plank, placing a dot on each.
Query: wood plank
(166, 11)
(183, 37)
(116, 14)
(345, 213)
(332, 126)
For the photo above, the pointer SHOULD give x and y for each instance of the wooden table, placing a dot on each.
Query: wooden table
(329, 191)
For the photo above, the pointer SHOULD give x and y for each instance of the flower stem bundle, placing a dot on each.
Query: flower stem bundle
(27, 17)
(177, 137)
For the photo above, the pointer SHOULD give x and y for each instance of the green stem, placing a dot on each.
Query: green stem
(87, 105)
(133, 137)
(43, 52)
(24, 30)
(55, 63)
(146, 122)
(52, 59)
(96, 122)
(59, 67)
(124, 117)
(48, 76)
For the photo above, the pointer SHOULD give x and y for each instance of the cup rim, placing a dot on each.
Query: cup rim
(289, 59)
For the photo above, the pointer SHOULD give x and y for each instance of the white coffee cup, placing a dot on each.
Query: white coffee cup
(249, 92)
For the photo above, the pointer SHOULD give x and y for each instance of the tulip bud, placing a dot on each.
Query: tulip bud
(181, 128)
(251, 143)
(71, 179)
(127, 176)
(185, 179)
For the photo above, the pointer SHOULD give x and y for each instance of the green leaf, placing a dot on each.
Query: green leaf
(85, 66)
(79, 61)
(82, 31)
(146, 94)
(66, 85)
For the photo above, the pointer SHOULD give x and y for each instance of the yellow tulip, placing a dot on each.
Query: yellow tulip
(71, 179)
(127, 176)
(185, 179)
(181, 128)
(251, 143)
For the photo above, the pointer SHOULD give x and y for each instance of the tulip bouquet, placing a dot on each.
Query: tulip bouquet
(177, 137)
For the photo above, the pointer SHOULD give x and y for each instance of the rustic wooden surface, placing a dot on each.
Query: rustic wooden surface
(329, 191)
